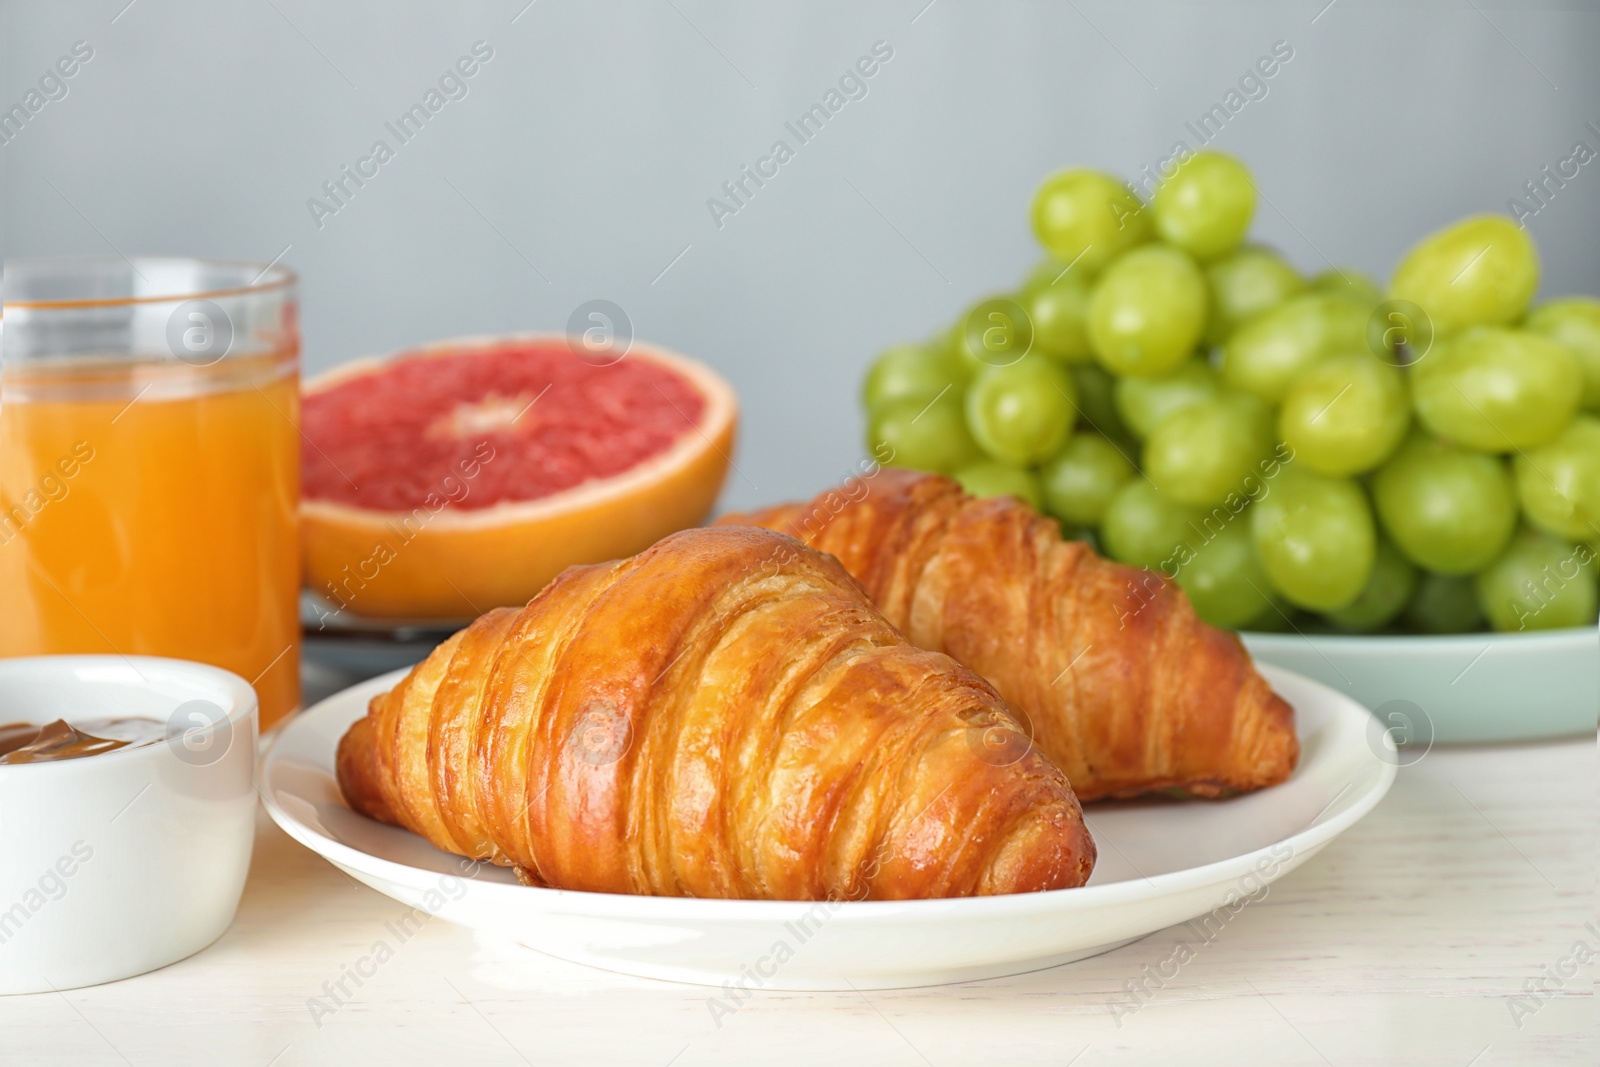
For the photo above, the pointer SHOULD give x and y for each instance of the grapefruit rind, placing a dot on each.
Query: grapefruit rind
(454, 562)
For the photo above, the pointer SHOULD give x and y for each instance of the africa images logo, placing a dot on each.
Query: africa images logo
(341, 189)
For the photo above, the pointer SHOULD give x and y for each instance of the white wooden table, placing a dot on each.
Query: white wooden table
(1413, 939)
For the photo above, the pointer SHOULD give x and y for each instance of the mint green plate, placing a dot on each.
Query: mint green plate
(1457, 688)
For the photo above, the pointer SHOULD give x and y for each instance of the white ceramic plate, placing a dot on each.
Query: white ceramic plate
(1161, 863)
(1456, 688)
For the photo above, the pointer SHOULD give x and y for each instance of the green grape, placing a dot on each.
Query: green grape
(1096, 407)
(907, 373)
(1205, 207)
(1539, 583)
(1052, 271)
(1449, 510)
(1201, 453)
(1274, 620)
(1349, 283)
(930, 437)
(994, 332)
(1147, 311)
(1080, 480)
(1087, 218)
(1266, 354)
(1346, 414)
(1399, 333)
(1086, 534)
(1575, 322)
(1144, 402)
(1386, 593)
(1444, 604)
(1060, 315)
(957, 354)
(1143, 528)
(1021, 413)
(1000, 479)
(1245, 283)
(1480, 271)
(1559, 483)
(1316, 539)
(1496, 389)
(1225, 580)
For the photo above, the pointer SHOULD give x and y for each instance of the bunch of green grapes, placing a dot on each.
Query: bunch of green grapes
(1308, 452)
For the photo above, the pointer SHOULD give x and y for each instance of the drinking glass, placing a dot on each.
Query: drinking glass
(149, 464)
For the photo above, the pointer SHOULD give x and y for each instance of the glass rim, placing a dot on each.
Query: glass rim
(272, 276)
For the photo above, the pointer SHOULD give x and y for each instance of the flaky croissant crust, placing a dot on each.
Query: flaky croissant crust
(1122, 685)
(724, 715)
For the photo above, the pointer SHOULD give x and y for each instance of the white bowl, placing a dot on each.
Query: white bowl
(116, 864)
(1161, 862)
(1460, 688)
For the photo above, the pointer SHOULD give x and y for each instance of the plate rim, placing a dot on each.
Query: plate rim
(1432, 642)
(643, 907)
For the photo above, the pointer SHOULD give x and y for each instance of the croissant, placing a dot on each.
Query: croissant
(1124, 687)
(723, 715)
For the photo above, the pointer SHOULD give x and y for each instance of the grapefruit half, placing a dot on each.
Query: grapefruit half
(463, 475)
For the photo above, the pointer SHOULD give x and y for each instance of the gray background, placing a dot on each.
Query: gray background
(580, 162)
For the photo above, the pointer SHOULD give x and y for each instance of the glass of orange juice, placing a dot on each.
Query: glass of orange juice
(149, 464)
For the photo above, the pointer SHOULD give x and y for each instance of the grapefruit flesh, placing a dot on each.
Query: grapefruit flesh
(387, 440)
(452, 479)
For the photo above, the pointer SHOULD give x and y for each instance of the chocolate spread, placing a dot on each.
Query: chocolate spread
(26, 742)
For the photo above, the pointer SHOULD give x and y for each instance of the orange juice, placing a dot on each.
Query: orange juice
(150, 508)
